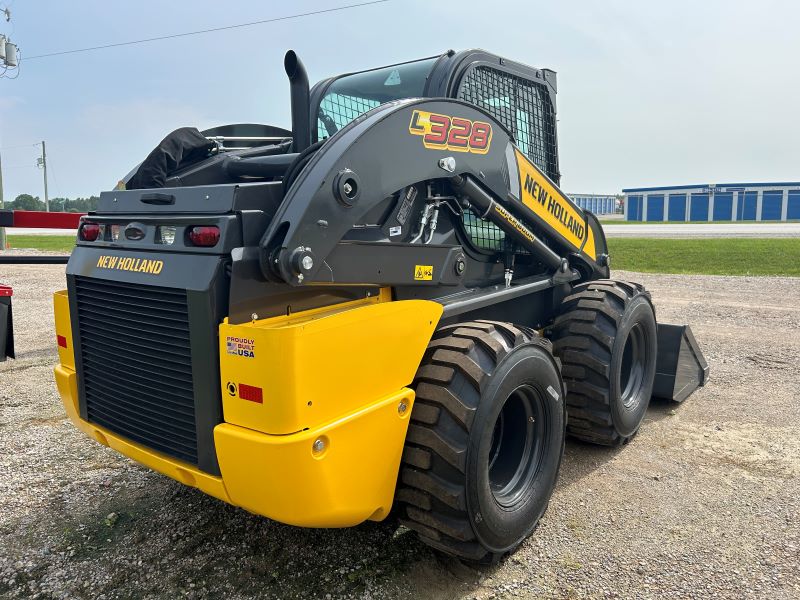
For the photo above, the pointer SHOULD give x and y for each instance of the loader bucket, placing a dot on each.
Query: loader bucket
(6, 325)
(680, 365)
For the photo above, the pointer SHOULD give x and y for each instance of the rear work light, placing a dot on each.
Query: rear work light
(205, 236)
(89, 232)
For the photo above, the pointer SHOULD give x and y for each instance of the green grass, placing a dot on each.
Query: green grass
(711, 256)
(708, 256)
(55, 243)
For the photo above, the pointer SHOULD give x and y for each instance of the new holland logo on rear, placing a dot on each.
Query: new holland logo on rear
(126, 263)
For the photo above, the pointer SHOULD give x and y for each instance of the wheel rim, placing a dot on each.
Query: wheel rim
(634, 358)
(516, 447)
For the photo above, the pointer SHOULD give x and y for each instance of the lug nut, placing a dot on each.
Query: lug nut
(307, 263)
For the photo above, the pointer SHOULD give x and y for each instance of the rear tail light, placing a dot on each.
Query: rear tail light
(115, 230)
(89, 232)
(205, 236)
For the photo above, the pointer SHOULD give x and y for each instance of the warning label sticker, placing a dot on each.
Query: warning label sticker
(423, 272)
(237, 346)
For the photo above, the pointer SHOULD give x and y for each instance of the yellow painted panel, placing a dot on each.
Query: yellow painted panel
(67, 383)
(314, 367)
(353, 479)
(548, 202)
(66, 356)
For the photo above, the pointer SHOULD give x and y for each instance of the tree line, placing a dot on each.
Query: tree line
(28, 202)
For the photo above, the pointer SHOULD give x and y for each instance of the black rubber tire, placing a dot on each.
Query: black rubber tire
(605, 336)
(473, 376)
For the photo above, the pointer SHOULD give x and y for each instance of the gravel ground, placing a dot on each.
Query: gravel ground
(704, 503)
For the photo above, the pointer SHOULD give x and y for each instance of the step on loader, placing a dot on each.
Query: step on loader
(390, 308)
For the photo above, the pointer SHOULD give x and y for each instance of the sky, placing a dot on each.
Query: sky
(649, 93)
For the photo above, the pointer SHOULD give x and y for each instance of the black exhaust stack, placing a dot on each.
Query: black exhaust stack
(298, 83)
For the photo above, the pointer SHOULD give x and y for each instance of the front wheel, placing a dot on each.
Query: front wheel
(606, 339)
(485, 441)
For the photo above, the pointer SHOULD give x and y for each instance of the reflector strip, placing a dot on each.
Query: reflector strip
(62, 341)
(252, 393)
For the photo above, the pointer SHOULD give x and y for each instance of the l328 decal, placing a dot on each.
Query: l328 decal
(442, 132)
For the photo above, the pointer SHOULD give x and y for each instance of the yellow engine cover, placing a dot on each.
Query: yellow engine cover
(291, 373)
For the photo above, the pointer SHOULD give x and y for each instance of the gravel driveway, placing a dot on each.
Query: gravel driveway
(704, 503)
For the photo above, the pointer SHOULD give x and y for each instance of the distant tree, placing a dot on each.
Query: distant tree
(27, 202)
(59, 204)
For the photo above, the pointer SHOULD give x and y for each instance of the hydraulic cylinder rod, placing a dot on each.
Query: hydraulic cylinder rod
(487, 208)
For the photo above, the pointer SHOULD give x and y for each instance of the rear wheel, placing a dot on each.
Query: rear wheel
(485, 440)
(606, 339)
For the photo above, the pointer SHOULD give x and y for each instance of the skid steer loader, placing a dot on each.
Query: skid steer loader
(390, 308)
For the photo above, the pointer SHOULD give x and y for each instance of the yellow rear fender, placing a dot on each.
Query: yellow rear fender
(292, 373)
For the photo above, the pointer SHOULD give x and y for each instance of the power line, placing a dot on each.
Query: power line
(20, 146)
(212, 30)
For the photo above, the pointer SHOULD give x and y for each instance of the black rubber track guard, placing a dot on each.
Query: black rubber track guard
(434, 494)
(586, 337)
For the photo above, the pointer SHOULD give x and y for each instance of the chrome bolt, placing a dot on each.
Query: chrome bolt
(448, 164)
(307, 263)
(300, 278)
(531, 419)
(348, 189)
(402, 407)
(319, 445)
(254, 316)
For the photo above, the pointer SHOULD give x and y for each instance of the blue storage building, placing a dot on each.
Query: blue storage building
(778, 201)
(599, 204)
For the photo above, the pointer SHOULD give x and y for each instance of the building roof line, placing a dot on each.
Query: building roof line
(712, 185)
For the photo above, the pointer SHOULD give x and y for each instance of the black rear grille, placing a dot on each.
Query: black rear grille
(136, 363)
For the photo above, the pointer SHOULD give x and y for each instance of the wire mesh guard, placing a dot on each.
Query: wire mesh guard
(521, 105)
(484, 234)
(525, 108)
(342, 109)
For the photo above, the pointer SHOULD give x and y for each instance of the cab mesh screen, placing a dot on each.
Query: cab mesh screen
(342, 109)
(521, 105)
(525, 108)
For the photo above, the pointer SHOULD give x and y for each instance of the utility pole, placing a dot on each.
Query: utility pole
(44, 169)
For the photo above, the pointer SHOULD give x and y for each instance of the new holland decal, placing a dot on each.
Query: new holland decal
(126, 263)
(553, 207)
(442, 132)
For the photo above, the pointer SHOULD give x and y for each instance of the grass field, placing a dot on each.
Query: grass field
(54, 243)
(711, 256)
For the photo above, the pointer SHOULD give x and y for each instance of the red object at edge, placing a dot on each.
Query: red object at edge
(6, 290)
(36, 219)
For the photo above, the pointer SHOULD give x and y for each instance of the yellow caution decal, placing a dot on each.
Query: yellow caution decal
(423, 272)
(541, 196)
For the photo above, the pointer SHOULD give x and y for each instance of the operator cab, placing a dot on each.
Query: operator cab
(522, 98)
